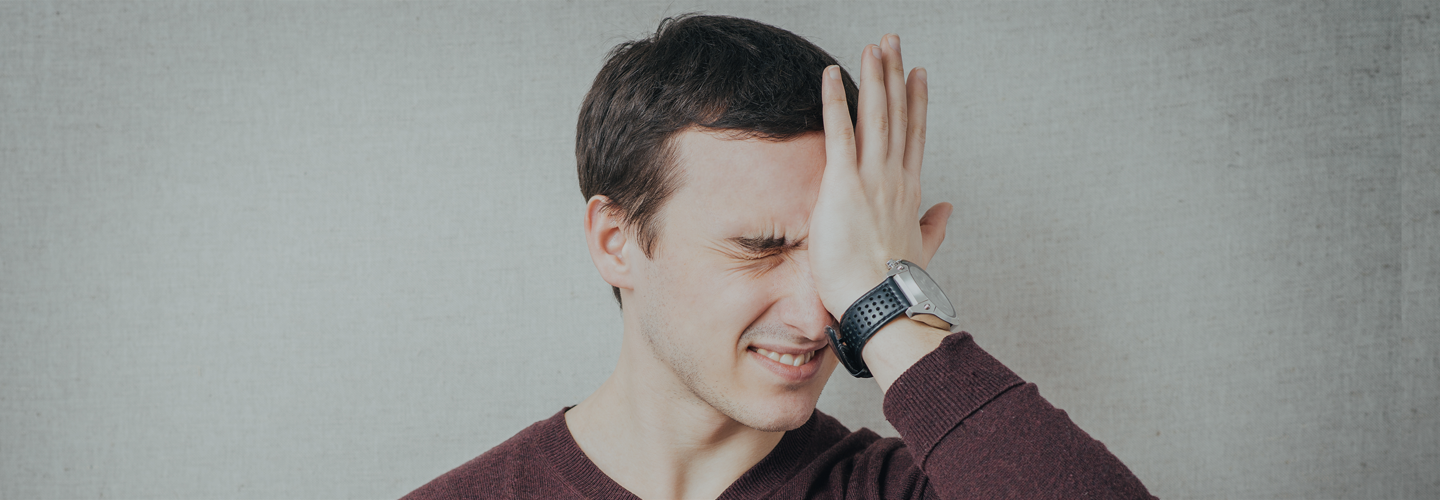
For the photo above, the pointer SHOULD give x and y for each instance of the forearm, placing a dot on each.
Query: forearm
(897, 346)
(978, 431)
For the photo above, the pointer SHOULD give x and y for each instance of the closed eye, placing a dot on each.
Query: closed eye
(761, 246)
(756, 266)
(760, 254)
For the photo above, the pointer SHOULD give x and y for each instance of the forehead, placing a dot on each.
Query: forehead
(745, 186)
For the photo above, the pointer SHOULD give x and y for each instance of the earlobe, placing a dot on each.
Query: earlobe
(607, 239)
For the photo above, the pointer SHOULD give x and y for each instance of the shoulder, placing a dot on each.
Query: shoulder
(827, 436)
(512, 469)
(840, 460)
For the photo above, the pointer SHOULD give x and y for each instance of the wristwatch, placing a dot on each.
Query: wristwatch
(908, 289)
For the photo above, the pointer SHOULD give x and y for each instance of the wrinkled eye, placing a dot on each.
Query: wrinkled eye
(762, 264)
(756, 255)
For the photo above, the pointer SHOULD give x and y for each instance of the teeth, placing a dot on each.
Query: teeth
(772, 355)
(789, 359)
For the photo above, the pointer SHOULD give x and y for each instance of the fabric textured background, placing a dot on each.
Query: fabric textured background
(332, 250)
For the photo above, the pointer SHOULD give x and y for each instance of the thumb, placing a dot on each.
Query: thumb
(932, 230)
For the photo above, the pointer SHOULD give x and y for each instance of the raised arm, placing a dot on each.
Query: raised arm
(973, 428)
(867, 211)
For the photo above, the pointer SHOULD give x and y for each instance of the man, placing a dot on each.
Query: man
(738, 210)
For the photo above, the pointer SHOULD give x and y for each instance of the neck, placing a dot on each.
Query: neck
(654, 437)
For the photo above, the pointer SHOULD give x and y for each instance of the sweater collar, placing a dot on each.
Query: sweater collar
(558, 446)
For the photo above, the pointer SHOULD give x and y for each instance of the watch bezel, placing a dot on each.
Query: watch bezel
(905, 274)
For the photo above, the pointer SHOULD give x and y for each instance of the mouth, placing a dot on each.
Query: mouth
(795, 368)
(796, 360)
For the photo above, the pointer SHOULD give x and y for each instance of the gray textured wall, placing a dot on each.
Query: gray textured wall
(329, 250)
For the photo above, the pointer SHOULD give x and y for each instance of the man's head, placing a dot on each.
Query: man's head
(701, 150)
(728, 74)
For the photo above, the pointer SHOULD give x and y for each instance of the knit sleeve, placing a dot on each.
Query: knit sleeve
(976, 430)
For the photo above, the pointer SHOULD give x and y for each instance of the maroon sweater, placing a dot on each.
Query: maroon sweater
(969, 427)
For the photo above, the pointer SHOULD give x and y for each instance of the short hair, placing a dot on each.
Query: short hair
(722, 73)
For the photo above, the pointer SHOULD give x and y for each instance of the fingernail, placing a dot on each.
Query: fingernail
(895, 42)
(833, 72)
(920, 72)
(875, 51)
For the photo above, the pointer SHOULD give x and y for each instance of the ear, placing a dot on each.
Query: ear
(611, 246)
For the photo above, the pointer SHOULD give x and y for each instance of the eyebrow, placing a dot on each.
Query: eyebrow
(762, 245)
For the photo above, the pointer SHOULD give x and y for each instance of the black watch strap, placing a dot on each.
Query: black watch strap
(876, 308)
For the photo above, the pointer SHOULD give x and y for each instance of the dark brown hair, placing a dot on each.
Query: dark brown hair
(714, 72)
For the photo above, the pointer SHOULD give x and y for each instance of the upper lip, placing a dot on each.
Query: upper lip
(792, 350)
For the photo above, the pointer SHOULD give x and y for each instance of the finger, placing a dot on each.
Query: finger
(932, 230)
(918, 95)
(895, 93)
(872, 132)
(839, 133)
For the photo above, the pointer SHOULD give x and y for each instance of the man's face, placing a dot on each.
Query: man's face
(729, 283)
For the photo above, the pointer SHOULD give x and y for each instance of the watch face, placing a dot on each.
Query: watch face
(933, 292)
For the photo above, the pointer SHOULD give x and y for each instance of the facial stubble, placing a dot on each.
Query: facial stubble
(660, 336)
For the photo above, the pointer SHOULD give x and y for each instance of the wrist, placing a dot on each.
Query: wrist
(907, 290)
(842, 297)
(898, 346)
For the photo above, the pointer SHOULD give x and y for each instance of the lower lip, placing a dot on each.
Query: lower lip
(791, 373)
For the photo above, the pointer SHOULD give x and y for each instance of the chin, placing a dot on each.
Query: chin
(785, 409)
(782, 414)
(788, 423)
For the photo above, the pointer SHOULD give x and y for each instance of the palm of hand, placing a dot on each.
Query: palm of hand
(866, 213)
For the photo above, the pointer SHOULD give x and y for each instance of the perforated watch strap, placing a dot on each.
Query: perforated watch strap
(876, 308)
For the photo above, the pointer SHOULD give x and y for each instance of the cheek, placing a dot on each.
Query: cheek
(707, 293)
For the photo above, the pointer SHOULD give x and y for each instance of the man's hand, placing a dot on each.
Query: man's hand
(869, 199)
(870, 194)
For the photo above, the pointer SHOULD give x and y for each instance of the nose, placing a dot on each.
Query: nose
(801, 308)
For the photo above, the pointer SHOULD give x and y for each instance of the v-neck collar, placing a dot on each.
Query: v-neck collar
(560, 448)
